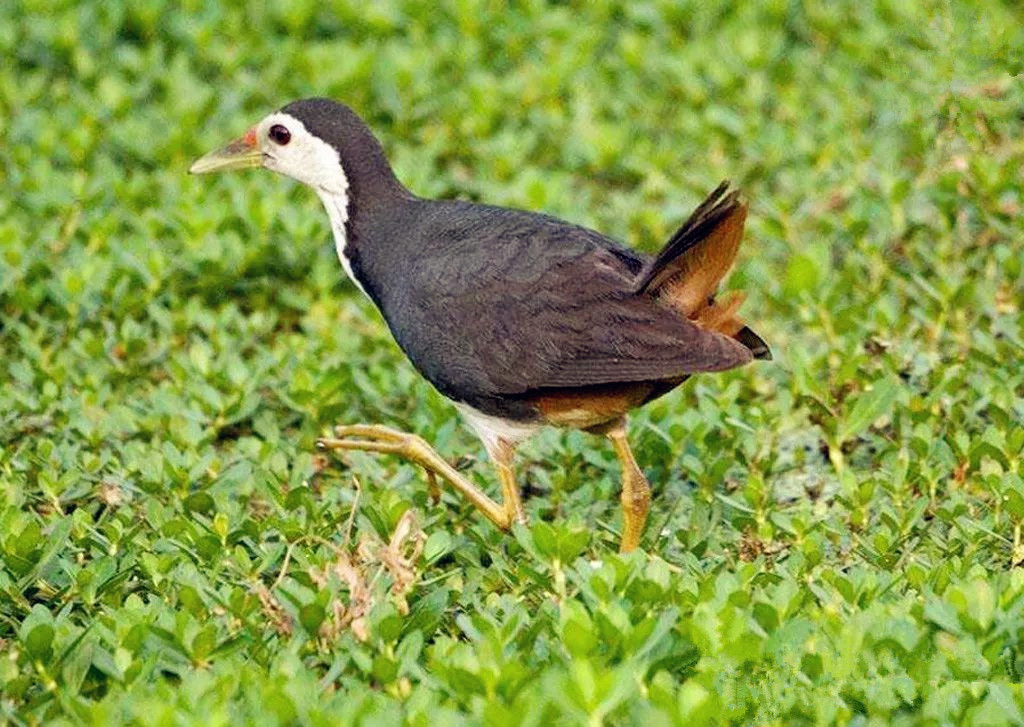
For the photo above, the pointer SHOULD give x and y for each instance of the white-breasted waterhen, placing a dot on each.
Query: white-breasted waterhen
(521, 319)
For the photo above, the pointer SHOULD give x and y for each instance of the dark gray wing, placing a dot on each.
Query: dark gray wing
(499, 302)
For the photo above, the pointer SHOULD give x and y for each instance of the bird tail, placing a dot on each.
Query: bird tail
(687, 271)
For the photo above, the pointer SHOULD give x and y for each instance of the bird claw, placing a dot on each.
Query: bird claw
(375, 438)
(415, 449)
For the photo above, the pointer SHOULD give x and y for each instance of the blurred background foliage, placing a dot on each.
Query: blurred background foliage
(836, 535)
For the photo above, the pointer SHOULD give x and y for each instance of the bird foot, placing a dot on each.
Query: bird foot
(413, 448)
(378, 438)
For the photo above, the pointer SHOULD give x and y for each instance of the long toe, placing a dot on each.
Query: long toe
(371, 431)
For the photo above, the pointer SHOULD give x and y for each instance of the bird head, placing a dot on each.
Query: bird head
(302, 141)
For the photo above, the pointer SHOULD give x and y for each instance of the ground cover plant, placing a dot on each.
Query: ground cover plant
(836, 536)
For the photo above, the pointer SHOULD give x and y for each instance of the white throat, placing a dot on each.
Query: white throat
(336, 204)
(312, 161)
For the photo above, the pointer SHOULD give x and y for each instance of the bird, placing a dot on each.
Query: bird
(522, 320)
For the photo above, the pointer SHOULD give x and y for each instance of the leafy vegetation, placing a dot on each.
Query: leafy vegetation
(837, 535)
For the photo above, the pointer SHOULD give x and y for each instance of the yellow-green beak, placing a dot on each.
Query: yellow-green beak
(243, 153)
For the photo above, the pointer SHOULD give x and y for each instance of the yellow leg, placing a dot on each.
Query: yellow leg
(636, 493)
(377, 438)
(510, 498)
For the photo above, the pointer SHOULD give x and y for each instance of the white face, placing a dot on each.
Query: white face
(288, 148)
(283, 143)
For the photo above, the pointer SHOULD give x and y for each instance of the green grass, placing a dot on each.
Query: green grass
(836, 535)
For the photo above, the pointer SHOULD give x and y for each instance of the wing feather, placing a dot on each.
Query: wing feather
(499, 303)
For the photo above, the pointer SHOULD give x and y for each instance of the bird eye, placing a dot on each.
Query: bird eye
(279, 134)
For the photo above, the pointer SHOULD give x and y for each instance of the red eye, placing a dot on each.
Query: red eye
(279, 134)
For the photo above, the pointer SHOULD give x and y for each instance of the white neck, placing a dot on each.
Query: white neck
(312, 161)
(336, 204)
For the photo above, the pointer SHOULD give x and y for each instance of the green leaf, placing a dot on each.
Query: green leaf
(942, 615)
(869, 407)
(544, 540)
(438, 544)
(1003, 697)
(311, 616)
(38, 641)
(204, 642)
(55, 542)
(200, 502)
